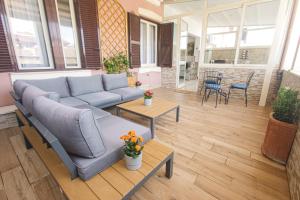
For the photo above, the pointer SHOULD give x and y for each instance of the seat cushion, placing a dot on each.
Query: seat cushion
(19, 87)
(213, 86)
(112, 128)
(72, 101)
(32, 92)
(100, 98)
(75, 128)
(84, 85)
(114, 81)
(58, 85)
(97, 112)
(239, 85)
(128, 93)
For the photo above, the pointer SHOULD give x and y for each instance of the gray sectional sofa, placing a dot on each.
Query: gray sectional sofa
(67, 113)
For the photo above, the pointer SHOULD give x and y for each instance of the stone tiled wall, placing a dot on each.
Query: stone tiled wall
(255, 55)
(8, 120)
(293, 165)
(168, 77)
(232, 75)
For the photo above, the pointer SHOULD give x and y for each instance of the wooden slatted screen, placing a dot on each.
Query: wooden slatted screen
(6, 59)
(134, 40)
(113, 28)
(165, 44)
(89, 30)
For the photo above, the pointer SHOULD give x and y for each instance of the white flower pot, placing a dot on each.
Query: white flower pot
(148, 102)
(133, 163)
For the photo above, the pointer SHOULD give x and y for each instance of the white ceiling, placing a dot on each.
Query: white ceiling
(259, 14)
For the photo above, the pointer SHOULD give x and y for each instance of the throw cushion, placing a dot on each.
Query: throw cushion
(76, 129)
(114, 81)
(84, 85)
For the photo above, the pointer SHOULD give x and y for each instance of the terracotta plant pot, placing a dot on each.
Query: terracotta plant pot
(278, 140)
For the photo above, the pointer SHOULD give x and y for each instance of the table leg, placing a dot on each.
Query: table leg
(169, 168)
(117, 111)
(152, 126)
(177, 113)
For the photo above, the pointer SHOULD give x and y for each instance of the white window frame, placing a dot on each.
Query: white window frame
(242, 6)
(148, 64)
(75, 35)
(46, 37)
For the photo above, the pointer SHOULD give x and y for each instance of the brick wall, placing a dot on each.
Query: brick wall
(293, 165)
(232, 75)
(255, 55)
(168, 77)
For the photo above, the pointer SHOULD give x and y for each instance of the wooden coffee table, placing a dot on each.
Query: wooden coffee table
(158, 108)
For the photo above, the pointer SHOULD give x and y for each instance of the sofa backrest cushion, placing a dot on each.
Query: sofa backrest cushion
(84, 85)
(58, 85)
(114, 81)
(19, 87)
(31, 92)
(75, 128)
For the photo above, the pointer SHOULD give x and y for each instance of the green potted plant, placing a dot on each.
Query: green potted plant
(282, 126)
(116, 64)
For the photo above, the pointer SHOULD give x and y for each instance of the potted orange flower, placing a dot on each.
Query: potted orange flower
(133, 150)
(148, 98)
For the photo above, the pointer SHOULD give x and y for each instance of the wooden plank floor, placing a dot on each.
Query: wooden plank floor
(217, 156)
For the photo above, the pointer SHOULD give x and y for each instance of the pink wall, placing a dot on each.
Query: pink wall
(5, 87)
(134, 5)
(129, 5)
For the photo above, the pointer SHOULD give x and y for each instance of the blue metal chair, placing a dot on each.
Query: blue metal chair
(211, 83)
(209, 77)
(242, 86)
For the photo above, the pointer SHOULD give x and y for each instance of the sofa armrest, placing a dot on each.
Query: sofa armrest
(14, 96)
(22, 109)
(53, 142)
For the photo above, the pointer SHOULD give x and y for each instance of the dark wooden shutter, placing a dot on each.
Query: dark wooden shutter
(134, 38)
(7, 58)
(165, 45)
(87, 19)
(54, 32)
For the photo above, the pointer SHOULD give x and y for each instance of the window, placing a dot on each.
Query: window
(291, 59)
(68, 32)
(222, 29)
(29, 33)
(148, 43)
(258, 32)
(242, 35)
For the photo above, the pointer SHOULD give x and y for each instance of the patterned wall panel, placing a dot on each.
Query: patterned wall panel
(113, 27)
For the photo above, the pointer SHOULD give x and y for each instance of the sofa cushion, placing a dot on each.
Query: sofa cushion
(75, 128)
(32, 92)
(97, 112)
(112, 128)
(100, 98)
(114, 81)
(84, 85)
(129, 93)
(58, 85)
(19, 87)
(72, 101)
